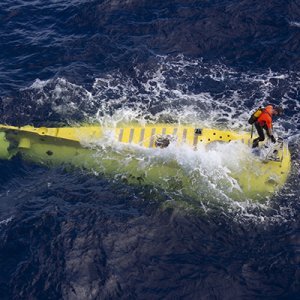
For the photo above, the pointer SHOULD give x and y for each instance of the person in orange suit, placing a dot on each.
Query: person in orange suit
(264, 123)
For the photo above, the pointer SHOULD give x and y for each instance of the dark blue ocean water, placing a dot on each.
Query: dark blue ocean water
(73, 235)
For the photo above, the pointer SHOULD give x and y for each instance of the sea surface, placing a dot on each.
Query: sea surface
(75, 234)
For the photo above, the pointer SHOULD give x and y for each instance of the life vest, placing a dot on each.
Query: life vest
(265, 118)
(253, 118)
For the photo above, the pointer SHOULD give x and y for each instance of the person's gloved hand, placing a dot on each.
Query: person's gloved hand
(273, 139)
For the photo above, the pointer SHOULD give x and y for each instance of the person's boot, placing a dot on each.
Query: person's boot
(255, 143)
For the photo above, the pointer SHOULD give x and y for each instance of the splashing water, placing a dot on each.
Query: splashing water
(174, 90)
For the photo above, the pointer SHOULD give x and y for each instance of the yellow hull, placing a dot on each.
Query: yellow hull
(75, 145)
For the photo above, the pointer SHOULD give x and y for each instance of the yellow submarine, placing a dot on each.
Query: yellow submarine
(80, 146)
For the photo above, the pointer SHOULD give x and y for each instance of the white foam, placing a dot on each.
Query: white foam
(210, 169)
(6, 221)
(295, 24)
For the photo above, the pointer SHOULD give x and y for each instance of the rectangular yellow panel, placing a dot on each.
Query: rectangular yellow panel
(190, 136)
(152, 137)
(126, 134)
(136, 135)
